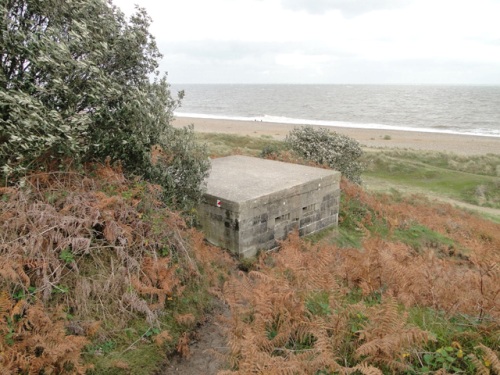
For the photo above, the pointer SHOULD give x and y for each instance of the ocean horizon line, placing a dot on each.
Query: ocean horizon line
(338, 124)
(179, 85)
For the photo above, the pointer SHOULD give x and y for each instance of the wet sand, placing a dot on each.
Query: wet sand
(370, 138)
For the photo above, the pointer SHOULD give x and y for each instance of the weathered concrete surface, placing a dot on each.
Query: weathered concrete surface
(252, 203)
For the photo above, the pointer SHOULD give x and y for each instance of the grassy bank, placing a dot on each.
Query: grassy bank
(474, 180)
(403, 286)
(99, 277)
(220, 144)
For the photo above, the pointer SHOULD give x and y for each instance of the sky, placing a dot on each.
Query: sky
(326, 41)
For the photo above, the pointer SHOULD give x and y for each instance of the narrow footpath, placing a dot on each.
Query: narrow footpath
(208, 338)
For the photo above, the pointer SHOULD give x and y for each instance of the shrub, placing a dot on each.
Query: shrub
(79, 81)
(181, 168)
(269, 151)
(335, 150)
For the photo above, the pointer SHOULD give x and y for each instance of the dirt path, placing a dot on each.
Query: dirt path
(209, 337)
(374, 184)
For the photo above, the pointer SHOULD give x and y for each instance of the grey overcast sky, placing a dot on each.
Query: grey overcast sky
(326, 41)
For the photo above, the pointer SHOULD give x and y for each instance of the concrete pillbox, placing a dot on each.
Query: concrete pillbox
(251, 203)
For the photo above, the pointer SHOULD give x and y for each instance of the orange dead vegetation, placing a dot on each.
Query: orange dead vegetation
(80, 253)
(295, 313)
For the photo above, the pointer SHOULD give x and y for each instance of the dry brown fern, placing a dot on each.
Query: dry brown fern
(183, 345)
(71, 240)
(290, 312)
(185, 319)
(158, 280)
(162, 337)
(272, 331)
(366, 369)
(33, 341)
(490, 358)
(480, 367)
(386, 336)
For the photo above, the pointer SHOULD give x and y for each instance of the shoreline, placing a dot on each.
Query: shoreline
(460, 144)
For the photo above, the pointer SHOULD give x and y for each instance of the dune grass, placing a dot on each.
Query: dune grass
(470, 179)
(385, 292)
(414, 229)
(409, 232)
(220, 144)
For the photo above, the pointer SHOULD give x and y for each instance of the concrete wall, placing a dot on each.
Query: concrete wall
(258, 223)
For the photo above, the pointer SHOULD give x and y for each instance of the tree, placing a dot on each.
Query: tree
(79, 80)
(322, 146)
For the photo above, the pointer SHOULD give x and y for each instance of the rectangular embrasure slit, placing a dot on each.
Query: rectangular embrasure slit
(282, 218)
(309, 208)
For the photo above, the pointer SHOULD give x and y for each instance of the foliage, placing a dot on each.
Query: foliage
(430, 172)
(75, 81)
(100, 258)
(471, 179)
(322, 146)
(34, 340)
(487, 165)
(99, 261)
(394, 305)
(446, 358)
(221, 144)
(180, 167)
(269, 151)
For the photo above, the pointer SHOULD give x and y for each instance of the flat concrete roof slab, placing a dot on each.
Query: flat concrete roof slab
(242, 178)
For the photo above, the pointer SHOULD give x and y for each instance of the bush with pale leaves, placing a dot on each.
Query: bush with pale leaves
(337, 151)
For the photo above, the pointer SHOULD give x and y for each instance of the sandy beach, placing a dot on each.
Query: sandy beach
(370, 138)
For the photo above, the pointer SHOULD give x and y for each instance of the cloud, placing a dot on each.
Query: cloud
(214, 61)
(248, 64)
(327, 41)
(220, 50)
(349, 8)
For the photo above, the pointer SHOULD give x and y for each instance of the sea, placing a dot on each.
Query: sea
(459, 109)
